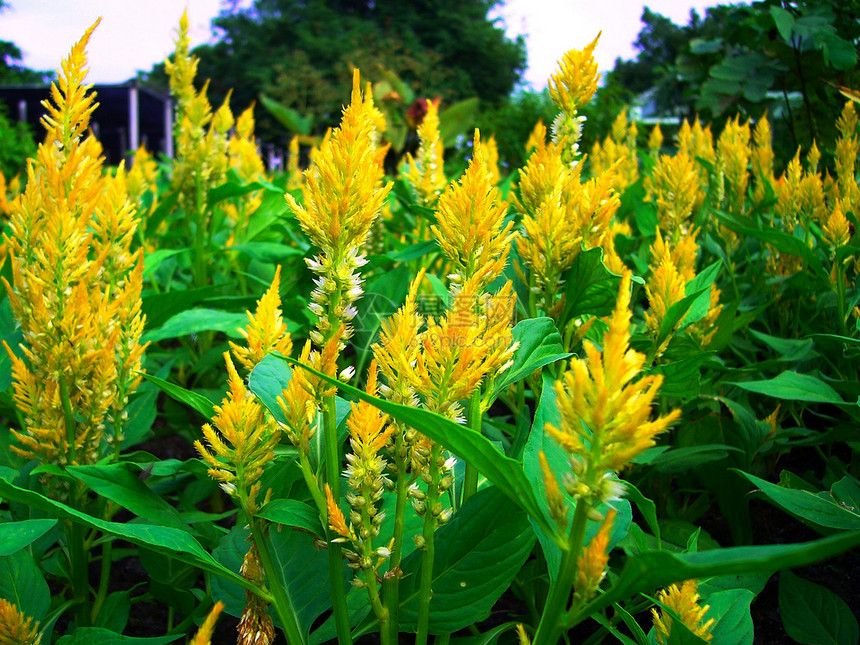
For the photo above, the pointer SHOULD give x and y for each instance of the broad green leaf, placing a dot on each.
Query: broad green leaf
(678, 460)
(162, 539)
(117, 483)
(291, 512)
(790, 349)
(692, 307)
(847, 492)
(304, 571)
(160, 307)
(265, 251)
(229, 553)
(457, 120)
(151, 261)
(502, 471)
(192, 399)
(22, 583)
(808, 506)
(114, 612)
(589, 287)
(195, 321)
(784, 22)
(477, 557)
(646, 506)
(814, 615)
(653, 569)
(102, 636)
(731, 610)
(539, 345)
(791, 386)
(16, 535)
(289, 118)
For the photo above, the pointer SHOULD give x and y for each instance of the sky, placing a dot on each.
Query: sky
(134, 34)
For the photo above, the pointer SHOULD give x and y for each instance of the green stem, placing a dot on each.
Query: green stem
(335, 559)
(840, 296)
(313, 485)
(470, 481)
(426, 591)
(283, 605)
(391, 583)
(104, 579)
(553, 618)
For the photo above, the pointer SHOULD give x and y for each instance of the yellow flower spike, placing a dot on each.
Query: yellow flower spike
(207, 629)
(537, 136)
(426, 172)
(248, 444)
(554, 498)
(664, 287)
(605, 414)
(617, 153)
(491, 149)
(591, 564)
(544, 172)
(142, 177)
(847, 147)
(812, 159)
(571, 88)
(336, 519)
(15, 627)
(837, 229)
(245, 159)
(684, 601)
(674, 187)
(762, 158)
(733, 155)
(266, 330)
(655, 141)
(343, 196)
(298, 402)
(470, 224)
(295, 178)
(522, 637)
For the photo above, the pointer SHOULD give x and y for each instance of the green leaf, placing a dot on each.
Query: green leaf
(457, 120)
(291, 512)
(265, 251)
(731, 610)
(790, 349)
(652, 569)
(791, 386)
(539, 345)
(160, 307)
(289, 118)
(477, 557)
(114, 612)
(502, 471)
(679, 460)
(813, 615)
(151, 261)
(784, 21)
(839, 52)
(117, 483)
(194, 321)
(14, 536)
(192, 399)
(162, 539)
(692, 307)
(808, 506)
(589, 287)
(22, 583)
(102, 636)
(490, 637)
(229, 553)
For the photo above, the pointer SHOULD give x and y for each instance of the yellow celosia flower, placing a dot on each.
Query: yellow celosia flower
(664, 287)
(426, 172)
(244, 158)
(295, 178)
(522, 637)
(733, 155)
(491, 149)
(571, 88)
(762, 159)
(552, 491)
(142, 177)
(674, 187)
(336, 519)
(617, 153)
(837, 229)
(470, 224)
(245, 442)
(544, 172)
(266, 330)
(605, 414)
(207, 629)
(684, 601)
(537, 137)
(847, 147)
(343, 195)
(75, 285)
(591, 564)
(655, 141)
(15, 627)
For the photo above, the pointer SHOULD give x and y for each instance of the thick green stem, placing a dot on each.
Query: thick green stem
(840, 296)
(470, 481)
(553, 618)
(391, 583)
(313, 485)
(283, 605)
(335, 559)
(426, 591)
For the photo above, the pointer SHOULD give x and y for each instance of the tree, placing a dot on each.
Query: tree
(301, 52)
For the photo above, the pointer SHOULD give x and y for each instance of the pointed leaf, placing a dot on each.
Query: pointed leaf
(791, 386)
(192, 399)
(539, 345)
(16, 535)
(814, 615)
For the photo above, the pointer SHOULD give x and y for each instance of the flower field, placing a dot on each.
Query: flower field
(610, 396)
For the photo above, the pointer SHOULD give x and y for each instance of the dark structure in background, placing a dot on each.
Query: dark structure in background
(128, 115)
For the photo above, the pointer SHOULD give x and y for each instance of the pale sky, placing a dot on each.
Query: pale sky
(135, 34)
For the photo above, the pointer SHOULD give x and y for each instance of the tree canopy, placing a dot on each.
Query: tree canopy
(301, 52)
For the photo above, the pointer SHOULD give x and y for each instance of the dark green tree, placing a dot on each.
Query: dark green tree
(301, 52)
